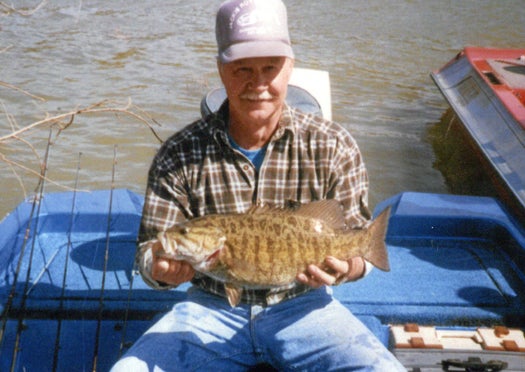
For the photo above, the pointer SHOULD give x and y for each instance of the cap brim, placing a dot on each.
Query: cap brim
(253, 49)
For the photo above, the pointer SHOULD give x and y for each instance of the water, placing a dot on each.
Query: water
(161, 55)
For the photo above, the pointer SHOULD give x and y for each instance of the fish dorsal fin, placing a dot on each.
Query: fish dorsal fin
(329, 211)
(255, 209)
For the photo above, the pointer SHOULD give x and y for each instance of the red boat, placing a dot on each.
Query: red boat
(486, 89)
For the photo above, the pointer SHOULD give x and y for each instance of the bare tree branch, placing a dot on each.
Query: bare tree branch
(11, 9)
(7, 85)
(59, 123)
(5, 49)
(29, 170)
(65, 120)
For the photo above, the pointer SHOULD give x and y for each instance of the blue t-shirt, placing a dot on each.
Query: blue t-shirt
(255, 156)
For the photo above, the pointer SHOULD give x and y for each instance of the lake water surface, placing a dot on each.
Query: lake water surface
(161, 55)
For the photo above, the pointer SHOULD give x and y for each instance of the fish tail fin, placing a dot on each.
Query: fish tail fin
(377, 253)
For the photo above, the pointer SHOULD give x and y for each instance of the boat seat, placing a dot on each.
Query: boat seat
(296, 97)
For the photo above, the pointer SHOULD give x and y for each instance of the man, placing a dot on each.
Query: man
(254, 150)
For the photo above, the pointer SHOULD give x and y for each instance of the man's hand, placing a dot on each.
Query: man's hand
(334, 271)
(169, 271)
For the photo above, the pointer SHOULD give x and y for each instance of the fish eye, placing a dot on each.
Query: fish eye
(184, 230)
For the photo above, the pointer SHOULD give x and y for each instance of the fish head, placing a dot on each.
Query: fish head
(199, 246)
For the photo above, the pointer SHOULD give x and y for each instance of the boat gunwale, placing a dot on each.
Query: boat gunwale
(506, 94)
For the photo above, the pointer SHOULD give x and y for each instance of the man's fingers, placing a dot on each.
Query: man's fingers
(315, 277)
(186, 272)
(339, 267)
(169, 271)
(333, 272)
(162, 266)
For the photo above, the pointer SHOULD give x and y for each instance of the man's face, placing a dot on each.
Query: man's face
(256, 88)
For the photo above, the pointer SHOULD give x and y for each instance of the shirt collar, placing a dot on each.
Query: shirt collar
(285, 123)
(219, 123)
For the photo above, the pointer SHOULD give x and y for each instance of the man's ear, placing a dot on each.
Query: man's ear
(291, 63)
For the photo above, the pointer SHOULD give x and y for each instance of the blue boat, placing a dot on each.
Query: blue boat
(71, 299)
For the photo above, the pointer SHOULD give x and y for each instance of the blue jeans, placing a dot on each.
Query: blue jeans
(312, 332)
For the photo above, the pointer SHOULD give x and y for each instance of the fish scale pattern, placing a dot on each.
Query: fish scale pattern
(270, 249)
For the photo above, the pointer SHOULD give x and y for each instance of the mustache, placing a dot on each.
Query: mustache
(252, 96)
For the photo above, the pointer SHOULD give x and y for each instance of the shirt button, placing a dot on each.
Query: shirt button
(246, 167)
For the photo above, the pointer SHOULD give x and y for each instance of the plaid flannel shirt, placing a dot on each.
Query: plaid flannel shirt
(197, 172)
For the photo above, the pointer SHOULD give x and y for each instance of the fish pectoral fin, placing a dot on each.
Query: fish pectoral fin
(233, 293)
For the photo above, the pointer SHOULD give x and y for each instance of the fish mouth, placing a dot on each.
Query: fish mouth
(214, 255)
(208, 263)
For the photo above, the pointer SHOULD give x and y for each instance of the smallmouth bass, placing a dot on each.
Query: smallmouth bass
(268, 247)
